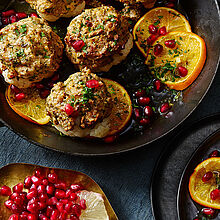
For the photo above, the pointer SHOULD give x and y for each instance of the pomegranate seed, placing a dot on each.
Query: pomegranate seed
(69, 109)
(49, 211)
(5, 191)
(8, 13)
(60, 194)
(170, 43)
(162, 31)
(42, 217)
(45, 182)
(41, 205)
(55, 78)
(63, 215)
(83, 204)
(170, 5)
(36, 180)
(52, 177)
(151, 39)
(143, 101)
(60, 185)
(33, 187)
(158, 85)
(215, 194)
(73, 197)
(92, 83)
(68, 193)
(13, 19)
(39, 86)
(14, 217)
(152, 29)
(32, 207)
(21, 15)
(110, 139)
(208, 211)
(19, 96)
(78, 45)
(8, 203)
(144, 121)
(207, 176)
(43, 197)
(164, 108)
(73, 217)
(50, 189)
(5, 20)
(137, 113)
(15, 208)
(41, 189)
(52, 201)
(140, 93)
(39, 173)
(44, 93)
(158, 48)
(13, 196)
(214, 153)
(148, 111)
(76, 209)
(31, 194)
(18, 187)
(182, 71)
(15, 89)
(68, 207)
(64, 201)
(60, 206)
(33, 15)
(18, 201)
(23, 217)
(27, 182)
(23, 195)
(54, 215)
(32, 217)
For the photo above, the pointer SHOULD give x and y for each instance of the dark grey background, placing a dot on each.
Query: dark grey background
(124, 178)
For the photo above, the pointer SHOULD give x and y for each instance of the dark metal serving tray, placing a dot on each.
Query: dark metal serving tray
(204, 18)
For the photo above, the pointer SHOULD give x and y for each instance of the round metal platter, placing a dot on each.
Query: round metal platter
(204, 18)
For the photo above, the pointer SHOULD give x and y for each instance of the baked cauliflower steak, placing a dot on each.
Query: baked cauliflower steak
(80, 106)
(29, 52)
(52, 10)
(98, 39)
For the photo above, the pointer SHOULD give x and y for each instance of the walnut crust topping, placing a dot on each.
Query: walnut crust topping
(91, 105)
(104, 33)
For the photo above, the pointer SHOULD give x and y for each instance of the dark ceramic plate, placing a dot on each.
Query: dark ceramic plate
(171, 165)
(187, 208)
(204, 18)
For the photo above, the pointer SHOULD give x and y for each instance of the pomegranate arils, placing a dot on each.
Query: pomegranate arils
(21, 15)
(14, 208)
(78, 45)
(214, 153)
(39, 173)
(32, 217)
(140, 93)
(148, 111)
(73, 217)
(60, 185)
(110, 139)
(41, 189)
(63, 215)
(182, 71)
(162, 31)
(49, 211)
(207, 176)
(50, 189)
(27, 182)
(41, 205)
(52, 201)
(5, 21)
(68, 207)
(158, 48)
(151, 39)
(52, 177)
(144, 121)
(8, 203)
(215, 194)
(69, 109)
(23, 217)
(15, 89)
(43, 197)
(76, 187)
(13, 195)
(5, 191)
(152, 29)
(83, 204)
(137, 113)
(8, 13)
(73, 197)
(13, 19)
(33, 15)
(68, 193)
(143, 101)
(158, 86)
(54, 215)
(45, 182)
(36, 180)
(170, 43)
(92, 83)
(60, 194)
(60, 206)
(19, 96)
(76, 209)
(14, 217)
(170, 5)
(164, 108)
(208, 211)
(31, 194)
(18, 187)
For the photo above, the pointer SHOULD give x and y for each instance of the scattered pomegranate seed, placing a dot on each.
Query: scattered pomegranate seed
(44, 93)
(83, 204)
(170, 5)
(110, 139)
(14, 217)
(144, 121)
(5, 191)
(92, 83)
(158, 85)
(18, 187)
(21, 15)
(143, 101)
(8, 13)
(214, 153)
(151, 39)
(19, 96)
(164, 108)
(215, 194)
(158, 48)
(8, 203)
(5, 20)
(162, 31)
(34, 15)
(52, 177)
(69, 109)
(182, 71)
(148, 111)
(140, 93)
(78, 45)
(13, 18)
(207, 176)
(137, 113)
(170, 43)
(152, 29)
(208, 211)
(27, 182)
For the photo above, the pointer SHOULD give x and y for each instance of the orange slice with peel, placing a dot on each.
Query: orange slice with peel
(189, 52)
(159, 17)
(122, 106)
(199, 190)
(31, 108)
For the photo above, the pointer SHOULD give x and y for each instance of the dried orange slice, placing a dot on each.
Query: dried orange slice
(199, 190)
(31, 108)
(188, 53)
(159, 17)
(122, 106)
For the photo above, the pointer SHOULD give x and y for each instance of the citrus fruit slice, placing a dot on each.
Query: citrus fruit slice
(160, 17)
(95, 207)
(122, 106)
(199, 190)
(177, 59)
(31, 108)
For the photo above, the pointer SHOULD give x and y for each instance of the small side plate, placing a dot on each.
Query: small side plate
(12, 174)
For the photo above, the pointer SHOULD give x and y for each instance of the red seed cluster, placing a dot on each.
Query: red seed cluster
(43, 197)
